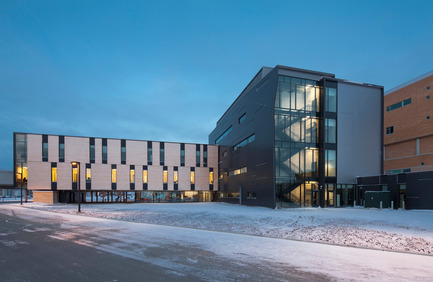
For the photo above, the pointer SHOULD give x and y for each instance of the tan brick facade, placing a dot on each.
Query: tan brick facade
(410, 145)
(78, 149)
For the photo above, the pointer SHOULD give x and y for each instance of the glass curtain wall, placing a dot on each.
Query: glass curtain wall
(296, 142)
(21, 160)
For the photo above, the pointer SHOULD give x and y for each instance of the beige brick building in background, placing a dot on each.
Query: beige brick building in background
(408, 123)
(114, 170)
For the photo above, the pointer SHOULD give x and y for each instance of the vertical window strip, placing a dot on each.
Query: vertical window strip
(123, 151)
(61, 149)
(197, 155)
(45, 148)
(149, 152)
(104, 151)
(145, 174)
(161, 153)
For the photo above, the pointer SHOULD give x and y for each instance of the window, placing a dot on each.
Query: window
(165, 175)
(75, 173)
(427, 98)
(104, 151)
(224, 134)
(175, 176)
(123, 151)
(61, 149)
(53, 173)
(149, 152)
(182, 154)
(428, 88)
(132, 174)
(331, 100)
(204, 155)
(197, 155)
(238, 171)
(225, 154)
(211, 179)
(330, 163)
(330, 131)
(113, 174)
(192, 176)
(161, 153)
(399, 105)
(92, 150)
(45, 148)
(389, 130)
(145, 174)
(244, 142)
(88, 174)
(251, 195)
(242, 118)
(427, 117)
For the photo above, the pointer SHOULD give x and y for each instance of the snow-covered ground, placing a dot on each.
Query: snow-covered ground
(398, 230)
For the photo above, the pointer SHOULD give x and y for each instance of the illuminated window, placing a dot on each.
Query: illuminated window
(145, 174)
(88, 174)
(176, 177)
(132, 174)
(238, 171)
(165, 176)
(54, 174)
(330, 163)
(113, 175)
(192, 177)
(211, 179)
(75, 174)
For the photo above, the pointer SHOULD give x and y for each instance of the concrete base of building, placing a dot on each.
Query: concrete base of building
(47, 197)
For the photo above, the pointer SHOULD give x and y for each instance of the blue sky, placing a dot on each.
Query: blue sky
(167, 70)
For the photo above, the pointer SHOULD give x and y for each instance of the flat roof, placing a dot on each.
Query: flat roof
(416, 79)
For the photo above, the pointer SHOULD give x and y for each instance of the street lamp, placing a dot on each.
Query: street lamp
(21, 189)
(77, 165)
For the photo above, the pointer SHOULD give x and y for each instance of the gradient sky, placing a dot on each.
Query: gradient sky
(167, 70)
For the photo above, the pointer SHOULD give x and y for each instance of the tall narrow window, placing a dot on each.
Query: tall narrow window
(197, 155)
(175, 178)
(161, 153)
(211, 179)
(149, 152)
(53, 176)
(331, 100)
(75, 175)
(165, 178)
(123, 151)
(113, 177)
(45, 148)
(88, 176)
(104, 151)
(192, 179)
(61, 149)
(330, 131)
(132, 177)
(145, 177)
(330, 163)
(204, 155)
(242, 118)
(92, 150)
(182, 154)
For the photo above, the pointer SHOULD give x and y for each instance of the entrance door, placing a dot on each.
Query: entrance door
(314, 195)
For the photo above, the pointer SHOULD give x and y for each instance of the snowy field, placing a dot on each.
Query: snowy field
(397, 230)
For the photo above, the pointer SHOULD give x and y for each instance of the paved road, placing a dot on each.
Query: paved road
(43, 246)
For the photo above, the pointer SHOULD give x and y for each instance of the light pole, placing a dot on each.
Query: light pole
(77, 164)
(21, 189)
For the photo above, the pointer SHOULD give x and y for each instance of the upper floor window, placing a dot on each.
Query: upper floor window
(224, 134)
(45, 148)
(182, 154)
(104, 151)
(389, 130)
(331, 100)
(244, 142)
(399, 105)
(149, 152)
(161, 153)
(61, 149)
(242, 118)
(92, 150)
(123, 151)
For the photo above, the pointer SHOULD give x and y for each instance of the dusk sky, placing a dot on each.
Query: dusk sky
(167, 70)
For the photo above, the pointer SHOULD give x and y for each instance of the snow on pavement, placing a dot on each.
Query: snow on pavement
(397, 230)
(336, 262)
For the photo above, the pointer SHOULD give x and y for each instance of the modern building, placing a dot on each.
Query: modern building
(56, 167)
(408, 122)
(299, 138)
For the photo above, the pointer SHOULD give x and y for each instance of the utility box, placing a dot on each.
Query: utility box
(373, 198)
